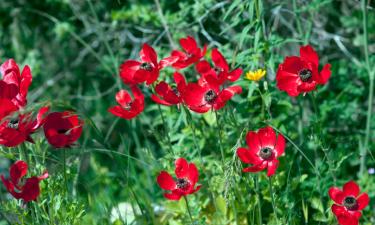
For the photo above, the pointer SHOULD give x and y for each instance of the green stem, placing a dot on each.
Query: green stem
(65, 179)
(273, 201)
(256, 182)
(220, 143)
(188, 209)
(371, 89)
(166, 130)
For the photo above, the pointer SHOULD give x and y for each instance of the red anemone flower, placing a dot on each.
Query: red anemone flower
(146, 70)
(29, 189)
(349, 203)
(263, 150)
(166, 95)
(62, 129)
(16, 130)
(128, 108)
(221, 72)
(12, 75)
(202, 96)
(192, 53)
(7, 107)
(301, 74)
(187, 177)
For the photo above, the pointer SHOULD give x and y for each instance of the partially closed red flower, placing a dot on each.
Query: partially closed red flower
(128, 108)
(221, 72)
(191, 54)
(7, 107)
(12, 75)
(146, 70)
(349, 203)
(17, 129)
(300, 74)
(264, 147)
(203, 96)
(26, 189)
(187, 177)
(167, 95)
(62, 129)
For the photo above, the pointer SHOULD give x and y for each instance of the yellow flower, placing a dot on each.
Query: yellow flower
(255, 75)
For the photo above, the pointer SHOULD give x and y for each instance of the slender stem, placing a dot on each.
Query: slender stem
(64, 164)
(273, 200)
(220, 143)
(371, 89)
(256, 182)
(188, 209)
(165, 24)
(166, 130)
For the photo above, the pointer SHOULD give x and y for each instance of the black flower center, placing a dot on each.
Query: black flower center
(265, 153)
(218, 70)
(176, 92)
(146, 66)
(350, 203)
(13, 123)
(305, 75)
(63, 131)
(182, 183)
(210, 96)
(128, 106)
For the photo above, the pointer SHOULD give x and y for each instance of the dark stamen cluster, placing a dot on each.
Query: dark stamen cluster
(210, 96)
(305, 75)
(63, 131)
(13, 123)
(146, 66)
(350, 203)
(218, 70)
(177, 93)
(182, 183)
(265, 153)
(128, 106)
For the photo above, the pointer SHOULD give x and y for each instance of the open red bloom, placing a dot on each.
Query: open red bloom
(62, 129)
(187, 177)
(128, 108)
(191, 54)
(28, 190)
(300, 74)
(16, 130)
(12, 75)
(146, 70)
(220, 72)
(203, 96)
(349, 203)
(166, 95)
(263, 150)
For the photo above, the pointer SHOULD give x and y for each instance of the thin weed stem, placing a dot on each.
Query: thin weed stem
(273, 200)
(188, 209)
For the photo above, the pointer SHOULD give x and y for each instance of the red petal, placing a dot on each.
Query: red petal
(43, 176)
(203, 67)
(194, 95)
(325, 74)
(306, 87)
(235, 74)
(166, 181)
(193, 174)
(17, 171)
(188, 44)
(272, 167)
(256, 168)
(26, 79)
(167, 61)
(31, 189)
(123, 98)
(148, 54)
(308, 54)
(363, 200)
(219, 59)
(173, 196)
(347, 220)
(351, 188)
(252, 141)
(160, 101)
(182, 168)
(243, 154)
(179, 79)
(280, 145)
(338, 210)
(127, 71)
(336, 195)
(196, 189)
(267, 137)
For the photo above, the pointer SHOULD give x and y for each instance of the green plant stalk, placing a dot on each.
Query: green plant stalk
(371, 89)
(273, 200)
(256, 182)
(188, 209)
(65, 179)
(166, 130)
(220, 143)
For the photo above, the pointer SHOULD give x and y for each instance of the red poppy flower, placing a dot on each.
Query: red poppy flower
(16, 130)
(28, 189)
(221, 72)
(166, 95)
(7, 107)
(128, 108)
(300, 74)
(146, 70)
(11, 75)
(202, 96)
(62, 129)
(187, 177)
(263, 150)
(191, 54)
(349, 203)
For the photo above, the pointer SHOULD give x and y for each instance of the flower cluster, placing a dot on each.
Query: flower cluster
(207, 93)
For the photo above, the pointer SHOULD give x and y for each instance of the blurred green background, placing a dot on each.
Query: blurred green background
(75, 47)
